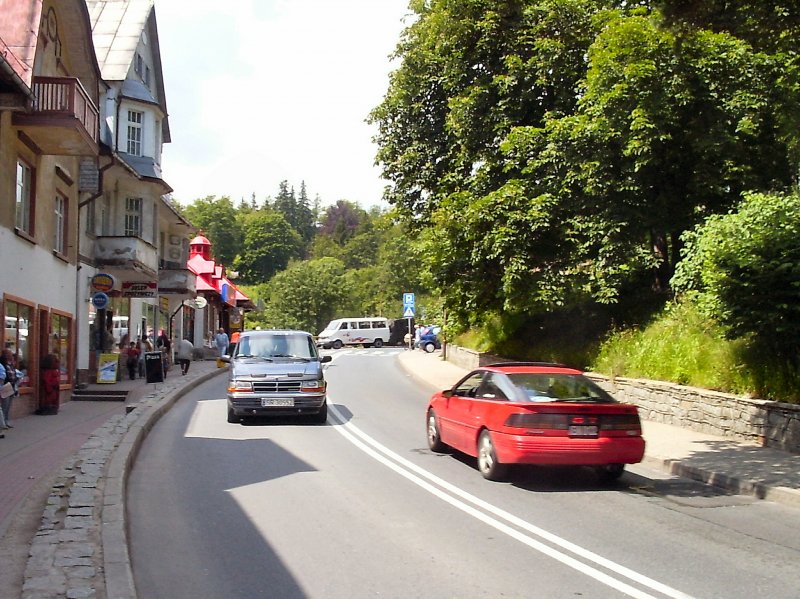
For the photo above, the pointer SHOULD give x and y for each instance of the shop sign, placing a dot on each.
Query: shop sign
(139, 289)
(99, 300)
(103, 282)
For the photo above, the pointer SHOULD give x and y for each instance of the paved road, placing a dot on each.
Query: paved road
(360, 507)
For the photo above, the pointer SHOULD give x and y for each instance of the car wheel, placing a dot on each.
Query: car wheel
(434, 439)
(488, 464)
(233, 418)
(377, 343)
(321, 417)
(337, 344)
(429, 347)
(610, 472)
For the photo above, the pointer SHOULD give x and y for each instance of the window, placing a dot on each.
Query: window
(60, 209)
(24, 216)
(135, 132)
(137, 65)
(364, 325)
(133, 217)
(147, 76)
(61, 339)
(18, 333)
(91, 218)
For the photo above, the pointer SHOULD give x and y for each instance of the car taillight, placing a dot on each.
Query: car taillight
(539, 421)
(621, 422)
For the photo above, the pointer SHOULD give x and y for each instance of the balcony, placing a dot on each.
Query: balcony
(175, 279)
(63, 120)
(127, 258)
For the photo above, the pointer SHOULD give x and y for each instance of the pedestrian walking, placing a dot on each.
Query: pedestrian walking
(222, 342)
(185, 350)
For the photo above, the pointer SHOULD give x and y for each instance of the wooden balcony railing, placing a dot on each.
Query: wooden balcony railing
(66, 97)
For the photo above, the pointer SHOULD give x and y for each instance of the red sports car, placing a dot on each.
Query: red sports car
(535, 413)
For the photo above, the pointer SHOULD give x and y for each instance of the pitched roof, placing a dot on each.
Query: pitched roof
(116, 29)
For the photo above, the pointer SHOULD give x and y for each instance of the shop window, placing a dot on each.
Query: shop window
(18, 333)
(61, 342)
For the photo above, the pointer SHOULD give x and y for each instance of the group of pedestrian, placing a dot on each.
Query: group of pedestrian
(12, 374)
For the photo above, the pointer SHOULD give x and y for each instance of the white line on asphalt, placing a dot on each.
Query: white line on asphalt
(415, 474)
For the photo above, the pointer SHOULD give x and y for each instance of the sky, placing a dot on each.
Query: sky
(261, 91)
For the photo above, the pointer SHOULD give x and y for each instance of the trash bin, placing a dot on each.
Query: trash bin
(153, 367)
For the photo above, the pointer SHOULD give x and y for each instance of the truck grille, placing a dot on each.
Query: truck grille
(276, 386)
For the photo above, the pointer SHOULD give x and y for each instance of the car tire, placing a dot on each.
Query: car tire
(321, 417)
(488, 464)
(233, 418)
(337, 344)
(610, 472)
(429, 347)
(434, 438)
(377, 343)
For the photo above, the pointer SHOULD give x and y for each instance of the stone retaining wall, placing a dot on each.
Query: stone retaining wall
(767, 423)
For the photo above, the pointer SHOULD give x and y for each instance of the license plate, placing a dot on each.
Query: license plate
(282, 402)
(582, 430)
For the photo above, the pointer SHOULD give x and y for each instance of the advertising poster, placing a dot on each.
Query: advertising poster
(107, 368)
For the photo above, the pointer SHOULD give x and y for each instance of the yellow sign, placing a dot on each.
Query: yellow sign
(163, 302)
(107, 366)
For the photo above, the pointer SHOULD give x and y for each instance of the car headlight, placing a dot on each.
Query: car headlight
(317, 386)
(240, 386)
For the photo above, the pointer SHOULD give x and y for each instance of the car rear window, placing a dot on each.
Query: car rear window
(548, 387)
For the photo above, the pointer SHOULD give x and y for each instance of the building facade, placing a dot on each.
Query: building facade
(50, 88)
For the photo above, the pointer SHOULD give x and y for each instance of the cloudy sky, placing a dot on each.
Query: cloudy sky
(259, 91)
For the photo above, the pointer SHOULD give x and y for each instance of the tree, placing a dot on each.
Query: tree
(216, 217)
(306, 295)
(743, 270)
(268, 244)
(341, 221)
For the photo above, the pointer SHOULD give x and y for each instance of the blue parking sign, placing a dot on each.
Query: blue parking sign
(408, 299)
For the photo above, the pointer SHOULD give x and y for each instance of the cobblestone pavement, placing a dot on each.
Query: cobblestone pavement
(80, 548)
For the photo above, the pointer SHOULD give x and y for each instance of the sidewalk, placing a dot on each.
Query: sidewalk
(729, 465)
(46, 463)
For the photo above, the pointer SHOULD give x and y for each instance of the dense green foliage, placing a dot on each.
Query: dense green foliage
(560, 148)
(306, 266)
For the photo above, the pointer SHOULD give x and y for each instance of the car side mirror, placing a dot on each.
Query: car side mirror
(324, 359)
(447, 393)
(225, 358)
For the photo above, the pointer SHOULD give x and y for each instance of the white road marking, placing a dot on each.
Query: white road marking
(460, 499)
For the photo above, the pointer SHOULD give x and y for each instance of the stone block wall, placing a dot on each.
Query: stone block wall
(767, 423)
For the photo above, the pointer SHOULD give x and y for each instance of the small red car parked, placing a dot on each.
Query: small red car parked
(535, 413)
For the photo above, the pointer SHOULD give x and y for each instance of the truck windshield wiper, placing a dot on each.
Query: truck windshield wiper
(291, 356)
(256, 357)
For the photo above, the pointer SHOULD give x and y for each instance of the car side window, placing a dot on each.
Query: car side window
(343, 326)
(489, 389)
(469, 386)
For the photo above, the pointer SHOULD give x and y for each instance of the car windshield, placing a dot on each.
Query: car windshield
(544, 387)
(277, 346)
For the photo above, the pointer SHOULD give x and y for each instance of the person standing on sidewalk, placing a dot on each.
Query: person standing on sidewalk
(222, 342)
(133, 360)
(184, 355)
(11, 375)
(51, 385)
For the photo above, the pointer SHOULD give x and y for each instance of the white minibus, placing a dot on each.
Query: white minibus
(372, 331)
